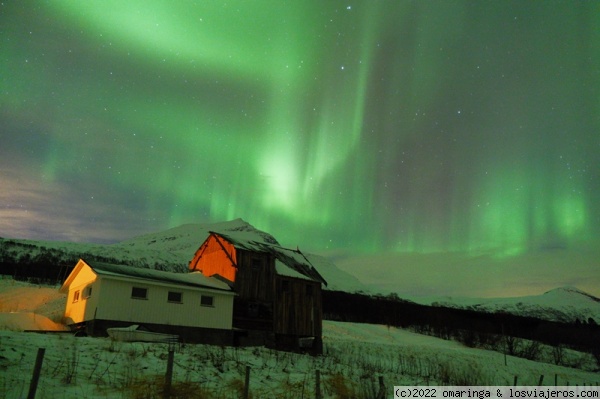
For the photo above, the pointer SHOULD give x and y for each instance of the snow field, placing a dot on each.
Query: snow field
(355, 355)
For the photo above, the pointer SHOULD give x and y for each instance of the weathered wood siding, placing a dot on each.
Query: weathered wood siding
(255, 276)
(298, 308)
(253, 307)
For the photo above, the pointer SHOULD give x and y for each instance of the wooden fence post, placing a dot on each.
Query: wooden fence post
(504, 345)
(36, 373)
(515, 381)
(169, 375)
(381, 393)
(317, 384)
(541, 380)
(247, 383)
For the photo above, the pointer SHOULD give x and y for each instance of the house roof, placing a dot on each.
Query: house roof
(283, 270)
(291, 262)
(194, 279)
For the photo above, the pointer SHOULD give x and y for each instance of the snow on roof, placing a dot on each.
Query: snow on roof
(292, 259)
(284, 270)
(189, 279)
(244, 235)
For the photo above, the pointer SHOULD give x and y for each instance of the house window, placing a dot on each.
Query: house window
(207, 300)
(76, 296)
(87, 292)
(139, 293)
(176, 297)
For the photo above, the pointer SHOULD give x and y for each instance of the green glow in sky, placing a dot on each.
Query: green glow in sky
(394, 125)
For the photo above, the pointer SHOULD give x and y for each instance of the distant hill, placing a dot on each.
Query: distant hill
(564, 304)
(172, 250)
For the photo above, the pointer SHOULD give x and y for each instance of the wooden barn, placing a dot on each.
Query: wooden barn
(278, 302)
(191, 305)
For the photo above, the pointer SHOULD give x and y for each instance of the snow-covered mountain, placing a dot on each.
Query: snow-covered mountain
(183, 241)
(26, 252)
(172, 250)
(564, 304)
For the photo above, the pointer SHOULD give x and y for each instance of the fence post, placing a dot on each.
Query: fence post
(247, 383)
(381, 394)
(504, 345)
(169, 375)
(515, 382)
(36, 373)
(317, 384)
(541, 380)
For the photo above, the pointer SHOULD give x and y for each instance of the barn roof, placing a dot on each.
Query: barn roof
(195, 279)
(292, 262)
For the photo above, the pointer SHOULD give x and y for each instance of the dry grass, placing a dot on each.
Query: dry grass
(152, 388)
(339, 386)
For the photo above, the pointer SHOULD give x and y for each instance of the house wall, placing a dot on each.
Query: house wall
(255, 276)
(78, 310)
(116, 303)
(298, 308)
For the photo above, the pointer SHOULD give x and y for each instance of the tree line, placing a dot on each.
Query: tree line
(473, 328)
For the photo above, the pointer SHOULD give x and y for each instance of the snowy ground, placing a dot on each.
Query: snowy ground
(355, 355)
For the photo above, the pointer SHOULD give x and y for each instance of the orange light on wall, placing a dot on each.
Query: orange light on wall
(215, 256)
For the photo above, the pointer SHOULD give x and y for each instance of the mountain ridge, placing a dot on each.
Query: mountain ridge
(565, 304)
(173, 248)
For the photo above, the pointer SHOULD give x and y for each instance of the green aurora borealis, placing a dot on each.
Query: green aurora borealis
(407, 126)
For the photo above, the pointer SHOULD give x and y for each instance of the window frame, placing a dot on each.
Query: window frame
(180, 300)
(145, 297)
(207, 305)
(76, 296)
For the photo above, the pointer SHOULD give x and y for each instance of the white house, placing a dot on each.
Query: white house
(191, 305)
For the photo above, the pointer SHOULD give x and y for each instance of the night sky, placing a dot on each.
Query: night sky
(396, 127)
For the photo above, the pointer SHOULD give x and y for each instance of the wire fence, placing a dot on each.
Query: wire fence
(86, 367)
